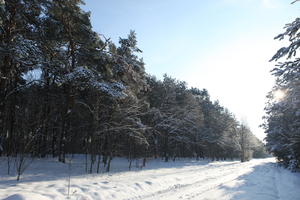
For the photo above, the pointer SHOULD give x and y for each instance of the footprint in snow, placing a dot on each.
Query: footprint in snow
(105, 182)
(148, 182)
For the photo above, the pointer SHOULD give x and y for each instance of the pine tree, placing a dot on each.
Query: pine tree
(282, 119)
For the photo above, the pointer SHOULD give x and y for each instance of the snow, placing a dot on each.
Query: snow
(260, 179)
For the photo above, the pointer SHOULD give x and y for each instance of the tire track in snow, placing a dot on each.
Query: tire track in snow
(201, 187)
(199, 184)
(262, 179)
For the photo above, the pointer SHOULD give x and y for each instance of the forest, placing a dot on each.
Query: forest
(65, 89)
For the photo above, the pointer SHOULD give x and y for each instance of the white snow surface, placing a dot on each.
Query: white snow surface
(260, 179)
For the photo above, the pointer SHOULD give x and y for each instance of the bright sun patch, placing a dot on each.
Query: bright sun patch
(279, 95)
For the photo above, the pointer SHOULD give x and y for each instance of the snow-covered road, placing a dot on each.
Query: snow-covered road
(255, 180)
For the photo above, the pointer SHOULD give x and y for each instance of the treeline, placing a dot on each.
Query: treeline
(282, 120)
(65, 89)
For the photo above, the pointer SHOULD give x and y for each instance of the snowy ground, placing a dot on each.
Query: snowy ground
(201, 180)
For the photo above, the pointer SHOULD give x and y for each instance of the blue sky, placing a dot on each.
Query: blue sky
(221, 45)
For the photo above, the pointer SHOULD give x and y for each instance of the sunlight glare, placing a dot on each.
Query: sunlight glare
(279, 95)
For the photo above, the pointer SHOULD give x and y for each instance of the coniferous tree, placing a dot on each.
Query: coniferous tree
(282, 111)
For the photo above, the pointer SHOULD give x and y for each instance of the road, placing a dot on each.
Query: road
(254, 180)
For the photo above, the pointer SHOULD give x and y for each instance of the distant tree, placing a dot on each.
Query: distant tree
(245, 142)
